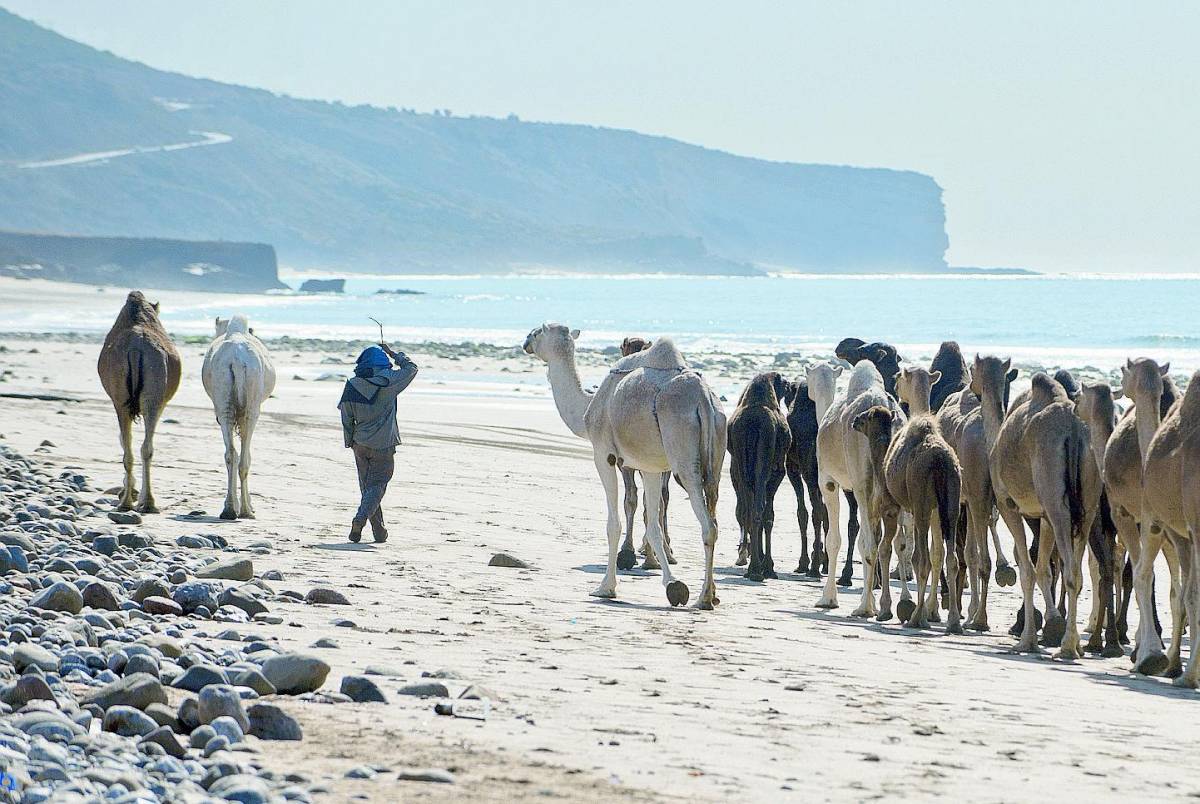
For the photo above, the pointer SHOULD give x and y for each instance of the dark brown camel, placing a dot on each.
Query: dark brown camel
(802, 472)
(883, 355)
(950, 364)
(758, 446)
(627, 558)
(139, 368)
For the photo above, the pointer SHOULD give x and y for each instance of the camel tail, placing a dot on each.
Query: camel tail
(236, 401)
(1075, 450)
(711, 453)
(134, 382)
(947, 486)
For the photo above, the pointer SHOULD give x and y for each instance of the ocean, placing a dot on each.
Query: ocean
(1053, 319)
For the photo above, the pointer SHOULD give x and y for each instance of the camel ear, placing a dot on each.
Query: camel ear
(155, 306)
(860, 421)
(251, 330)
(1117, 393)
(935, 376)
(1165, 369)
(837, 370)
(574, 334)
(1012, 375)
(1007, 363)
(896, 377)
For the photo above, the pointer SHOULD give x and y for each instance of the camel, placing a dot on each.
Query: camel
(802, 471)
(1041, 468)
(923, 476)
(883, 355)
(654, 414)
(627, 558)
(759, 440)
(821, 381)
(952, 370)
(139, 368)
(238, 377)
(1171, 483)
(1146, 384)
(844, 462)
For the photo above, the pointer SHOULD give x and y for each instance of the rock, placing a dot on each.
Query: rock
(192, 596)
(221, 700)
(128, 722)
(239, 599)
(135, 541)
(505, 560)
(150, 587)
(269, 722)
(31, 653)
(100, 595)
(163, 715)
(105, 545)
(255, 680)
(125, 517)
(138, 690)
(199, 676)
(51, 724)
(326, 642)
(219, 742)
(230, 569)
(361, 772)
(17, 558)
(59, 596)
(295, 673)
(164, 737)
(241, 787)
(323, 286)
(161, 606)
(426, 689)
(361, 689)
(28, 688)
(436, 775)
(194, 543)
(326, 596)
(189, 714)
(167, 646)
(141, 663)
(201, 735)
(228, 728)
(477, 693)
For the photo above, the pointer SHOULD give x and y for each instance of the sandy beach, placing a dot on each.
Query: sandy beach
(766, 697)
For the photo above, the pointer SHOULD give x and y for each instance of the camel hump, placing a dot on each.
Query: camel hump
(863, 378)
(237, 324)
(663, 355)
(1045, 390)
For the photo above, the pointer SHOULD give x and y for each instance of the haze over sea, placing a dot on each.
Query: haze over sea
(1068, 320)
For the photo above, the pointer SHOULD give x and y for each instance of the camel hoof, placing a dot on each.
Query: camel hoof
(1184, 682)
(1112, 651)
(813, 572)
(1095, 648)
(1053, 631)
(1006, 576)
(918, 624)
(671, 560)
(741, 561)
(827, 604)
(770, 574)
(802, 566)
(650, 563)
(229, 513)
(844, 580)
(705, 605)
(608, 594)
(1153, 665)
(247, 515)
(757, 577)
(1173, 671)
(978, 626)
(677, 593)
(149, 508)
(125, 506)
(905, 609)
(954, 628)
(1065, 655)
(883, 616)
(626, 559)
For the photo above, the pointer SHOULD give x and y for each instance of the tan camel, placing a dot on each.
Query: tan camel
(653, 414)
(1172, 494)
(1145, 383)
(139, 368)
(923, 476)
(1042, 468)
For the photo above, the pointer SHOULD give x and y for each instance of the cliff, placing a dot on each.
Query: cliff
(141, 262)
(94, 144)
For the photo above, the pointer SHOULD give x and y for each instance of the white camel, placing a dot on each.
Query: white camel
(653, 414)
(238, 377)
(844, 462)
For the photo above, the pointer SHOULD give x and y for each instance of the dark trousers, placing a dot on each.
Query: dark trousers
(375, 468)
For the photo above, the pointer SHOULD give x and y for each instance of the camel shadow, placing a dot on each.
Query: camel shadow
(626, 604)
(1148, 685)
(888, 628)
(353, 547)
(600, 569)
(205, 519)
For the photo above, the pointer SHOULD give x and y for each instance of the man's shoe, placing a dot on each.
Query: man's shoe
(356, 531)
(381, 536)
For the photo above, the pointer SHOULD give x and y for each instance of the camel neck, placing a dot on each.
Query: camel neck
(569, 397)
(918, 406)
(1146, 421)
(992, 408)
(822, 405)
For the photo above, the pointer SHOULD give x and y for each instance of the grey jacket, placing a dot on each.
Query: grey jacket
(368, 407)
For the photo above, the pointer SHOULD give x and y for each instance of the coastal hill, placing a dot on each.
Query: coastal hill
(92, 144)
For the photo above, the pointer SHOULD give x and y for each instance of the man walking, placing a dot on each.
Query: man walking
(368, 407)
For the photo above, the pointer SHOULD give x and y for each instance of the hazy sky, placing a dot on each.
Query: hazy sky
(1066, 135)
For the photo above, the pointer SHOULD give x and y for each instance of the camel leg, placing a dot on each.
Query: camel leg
(231, 463)
(626, 558)
(833, 504)
(906, 551)
(146, 498)
(608, 477)
(1070, 551)
(954, 578)
(1094, 617)
(820, 519)
(793, 475)
(971, 559)
(1016, 526)
(743, 556)
(1172, 550)
(1055, 624)
(854, 525)
(1188, 552)
(937, 560)
(1005, 574)
(885, 563)
(677, 591)
(128, 490)
(977, 538)
(662, 522)
(769, 524)
(1148, 656)
(920, 614)
(868, 548)
(705, 510)
(247, 511)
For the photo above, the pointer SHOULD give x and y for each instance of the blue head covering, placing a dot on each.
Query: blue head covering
(371, 359)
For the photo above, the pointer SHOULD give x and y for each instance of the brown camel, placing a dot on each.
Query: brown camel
(627, 558)
(139, 369)
(949, 364)
(1172, 494)
(802, 473)
(1152, 392)
(1042, 468)
(923, 476)
(758, 445)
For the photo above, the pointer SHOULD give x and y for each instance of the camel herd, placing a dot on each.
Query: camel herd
(928, 459)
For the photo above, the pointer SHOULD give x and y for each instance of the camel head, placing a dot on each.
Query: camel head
(991, 374)
(1142, 380)
(882, 355)
(822, 381)
(765, 389)
(551, 340)
(633, 345)
(220, 325)
(1097, 403)
(914, 384)
(1069, 384)
(794, 390)
(876, 424)
(137, 309)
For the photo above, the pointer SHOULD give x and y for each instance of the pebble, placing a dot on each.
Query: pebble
(218, 701)
(325, 596)
(361, 689)
(295, 673)
(425, 689)
(125, 517)
(59, 596)
(230, 569)
(505, 560)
